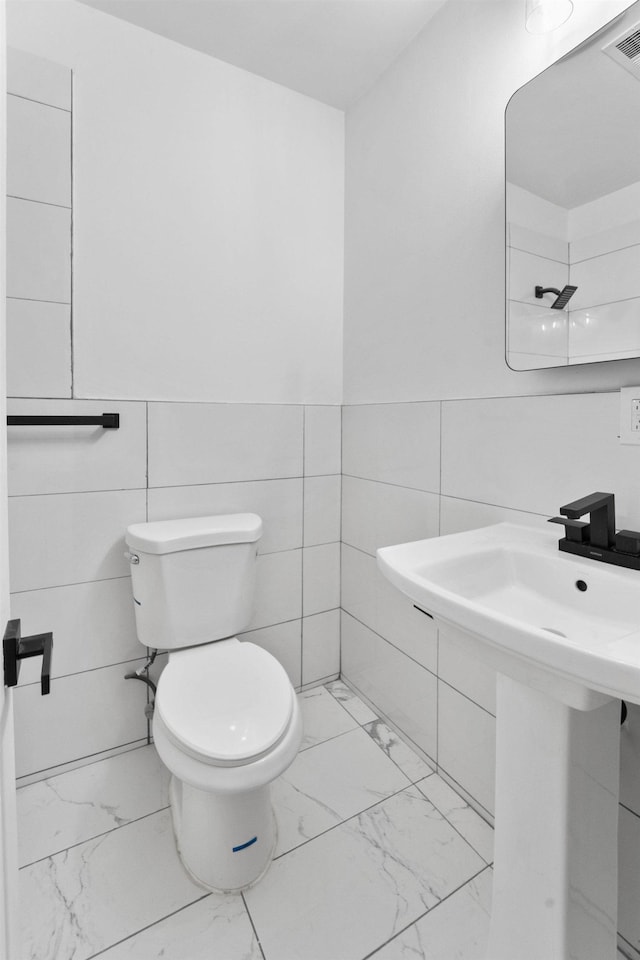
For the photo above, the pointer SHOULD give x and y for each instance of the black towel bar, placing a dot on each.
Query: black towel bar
(106, 420)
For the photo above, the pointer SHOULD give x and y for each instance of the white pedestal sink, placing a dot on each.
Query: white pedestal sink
(564, 635)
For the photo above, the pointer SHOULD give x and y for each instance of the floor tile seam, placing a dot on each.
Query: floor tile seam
(341, 705)
(253, 926)
(451, 781)
(426, 913)
(363, 726)
(389, 757)
(343, 733)
(452, 824)
(386, 640)
(359, 813)
(93, 837)
(337, 699)
(403, 737)
(148, 926)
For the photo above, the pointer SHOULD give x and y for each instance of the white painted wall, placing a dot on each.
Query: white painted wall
(424, 322)
(425, 265)
(208, 226)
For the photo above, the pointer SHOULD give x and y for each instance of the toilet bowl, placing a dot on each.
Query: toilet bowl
(226, 718)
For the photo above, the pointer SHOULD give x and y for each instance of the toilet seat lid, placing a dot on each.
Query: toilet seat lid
(225, 702)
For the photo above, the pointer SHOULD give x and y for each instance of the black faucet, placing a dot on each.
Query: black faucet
(601, 510)
(597, 539)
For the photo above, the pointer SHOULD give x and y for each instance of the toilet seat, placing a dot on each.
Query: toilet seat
(225, 703)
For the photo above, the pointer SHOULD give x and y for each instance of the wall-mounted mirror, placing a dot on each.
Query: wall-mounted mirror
(573, 205)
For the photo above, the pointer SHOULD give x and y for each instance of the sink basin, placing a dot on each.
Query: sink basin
(563, 634)
(538, 610)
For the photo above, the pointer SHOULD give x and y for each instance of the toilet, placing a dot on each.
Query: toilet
(226, 720)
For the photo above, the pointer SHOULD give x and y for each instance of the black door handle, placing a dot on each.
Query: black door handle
(16, 648)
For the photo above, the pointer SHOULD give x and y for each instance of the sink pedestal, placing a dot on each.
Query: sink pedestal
(556, 839)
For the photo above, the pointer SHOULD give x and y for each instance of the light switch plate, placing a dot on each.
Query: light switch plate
(630, 415)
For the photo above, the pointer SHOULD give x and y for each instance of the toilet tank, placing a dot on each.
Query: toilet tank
(193, 580)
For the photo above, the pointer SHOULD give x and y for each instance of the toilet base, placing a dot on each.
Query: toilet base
(225, 841)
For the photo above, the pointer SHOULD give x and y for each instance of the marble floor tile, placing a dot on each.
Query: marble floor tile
(466, 821)
(329, 783)
(351, 702)
(323, 717)
(72, 807)
(214, 928)
(456, 929)
(356, 886)
(99, 892)
(412, 765)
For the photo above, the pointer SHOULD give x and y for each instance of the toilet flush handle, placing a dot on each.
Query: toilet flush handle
(132, 557)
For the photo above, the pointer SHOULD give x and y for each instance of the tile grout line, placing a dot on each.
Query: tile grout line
(148, 926)
(95, 836)
(253, 926)
(426, 913)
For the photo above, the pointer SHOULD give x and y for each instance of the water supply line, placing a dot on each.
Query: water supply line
(142, 674)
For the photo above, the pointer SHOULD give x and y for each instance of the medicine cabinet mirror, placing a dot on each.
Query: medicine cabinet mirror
(573, 205)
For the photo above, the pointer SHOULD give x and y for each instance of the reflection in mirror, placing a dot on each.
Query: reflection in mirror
(573, 205)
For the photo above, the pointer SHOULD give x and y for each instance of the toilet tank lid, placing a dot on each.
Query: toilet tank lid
(169, 536)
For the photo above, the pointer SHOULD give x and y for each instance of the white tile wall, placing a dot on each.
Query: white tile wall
(38, 251)
(321, 639)
(605, 329)
(322, 440)
(630, 759)
(321, 578)
(370, 598)
(526, 271)
(607, 278)
(278, 502)
(85, 714)
(322, 502)
(508, 459)
(92, 623)
(537, 331)
(38, 152)
(278, 588)
(38, 79)
(460, 665)
(70, 538)
(466, 744)
(45, 371)
(284, 642)
(536, 453)
(533, 361)
(73, 459)
(377, 514)
(401, 689)
(393, 443)
(606, 241)
(191, 443)
(458, 515)
(629, 856)
(540, 244)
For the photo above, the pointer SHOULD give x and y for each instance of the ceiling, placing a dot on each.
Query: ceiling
(331, 50)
